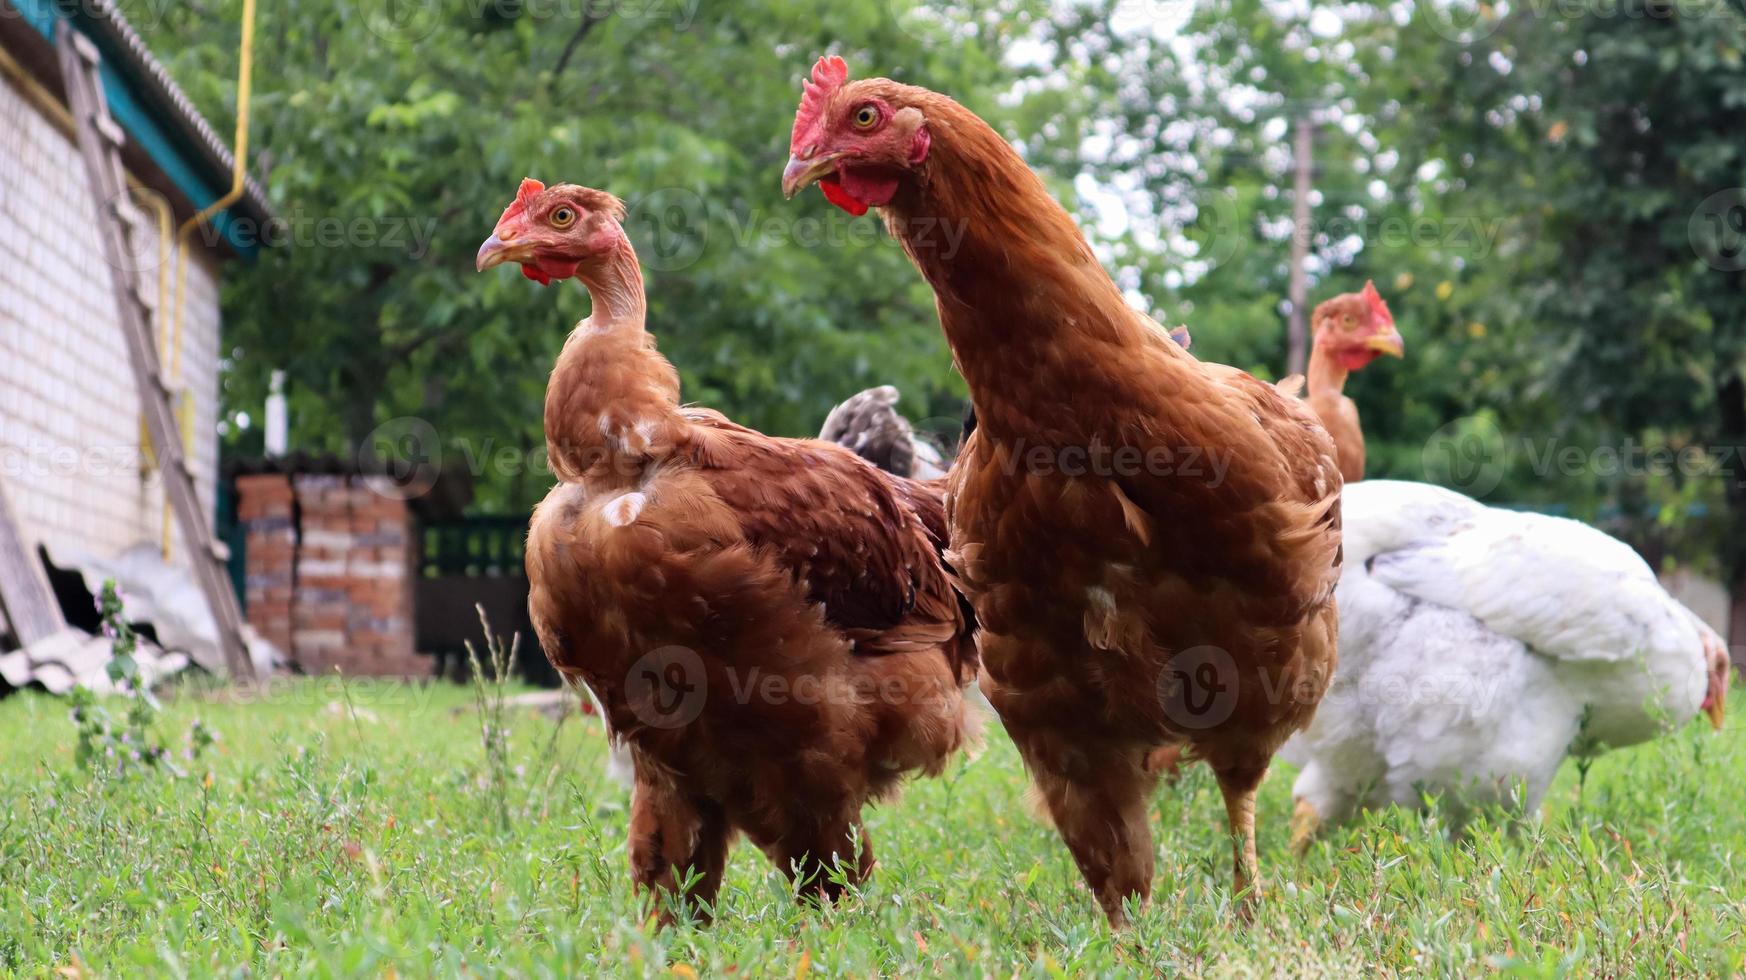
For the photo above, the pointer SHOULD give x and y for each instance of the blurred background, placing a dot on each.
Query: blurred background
(1550, 195)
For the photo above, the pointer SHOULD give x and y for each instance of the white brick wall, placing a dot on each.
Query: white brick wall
(70, 438)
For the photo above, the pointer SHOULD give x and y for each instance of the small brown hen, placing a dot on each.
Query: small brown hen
(1351, 330)
(765, 622)
(1151, 543)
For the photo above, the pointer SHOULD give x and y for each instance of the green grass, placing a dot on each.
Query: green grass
(328, 845)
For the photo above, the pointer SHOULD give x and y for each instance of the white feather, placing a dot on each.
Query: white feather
(1475, 646)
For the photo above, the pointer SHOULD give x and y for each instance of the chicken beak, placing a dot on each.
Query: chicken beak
(799, 174)
(1389, 343)
(491, 254)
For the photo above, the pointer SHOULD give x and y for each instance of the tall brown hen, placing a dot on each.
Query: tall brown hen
(765, 622)
(1151, 543)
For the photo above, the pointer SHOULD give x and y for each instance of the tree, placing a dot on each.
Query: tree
(391, 135)
(1552, 198)
(1621, 135)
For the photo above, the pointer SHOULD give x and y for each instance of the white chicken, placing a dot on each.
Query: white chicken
(1479, 647)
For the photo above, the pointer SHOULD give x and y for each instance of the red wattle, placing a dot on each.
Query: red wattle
(536, 275)
(873, 187)
(835, 194)
(1352, 359)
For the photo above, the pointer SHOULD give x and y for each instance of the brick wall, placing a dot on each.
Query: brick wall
(331, 569)
(70, 443)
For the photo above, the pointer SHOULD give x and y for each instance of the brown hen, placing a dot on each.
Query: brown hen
(765, 622)
(1351, 330)
(1150, 543)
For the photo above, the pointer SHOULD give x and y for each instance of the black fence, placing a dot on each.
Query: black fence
(471, 562)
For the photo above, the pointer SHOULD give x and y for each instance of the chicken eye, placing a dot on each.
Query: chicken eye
(563, 218)
(865, 117)
(1348, 320)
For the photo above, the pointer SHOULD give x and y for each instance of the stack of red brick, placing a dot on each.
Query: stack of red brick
(331, 563)
(264, 508)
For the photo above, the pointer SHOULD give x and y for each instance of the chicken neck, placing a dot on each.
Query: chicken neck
(1031, 316)
(612, 405)
(1324, 375)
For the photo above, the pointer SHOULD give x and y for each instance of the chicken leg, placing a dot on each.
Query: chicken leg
(672, 839)
(1239, 786)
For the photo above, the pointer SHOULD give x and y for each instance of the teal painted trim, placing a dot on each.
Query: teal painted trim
(38, 14)
(143, 128)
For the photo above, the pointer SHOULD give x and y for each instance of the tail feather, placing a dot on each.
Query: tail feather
(869, 424)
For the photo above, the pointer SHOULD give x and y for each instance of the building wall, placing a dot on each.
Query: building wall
(71, 455)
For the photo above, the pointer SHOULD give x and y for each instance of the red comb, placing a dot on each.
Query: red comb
(524, 195)
(828, 74)
(1377, 307)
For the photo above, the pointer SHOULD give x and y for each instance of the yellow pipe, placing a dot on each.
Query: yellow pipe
(244, 86)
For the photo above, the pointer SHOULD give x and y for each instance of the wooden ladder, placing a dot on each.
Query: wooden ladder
(100, 142)
(26, 599)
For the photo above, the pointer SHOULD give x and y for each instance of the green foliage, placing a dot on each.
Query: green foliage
(1610, 138)
(359, 836)
(391, 153)
(133, 745)
(1550, 196)
(491, 705)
